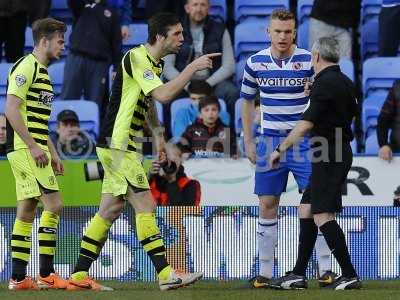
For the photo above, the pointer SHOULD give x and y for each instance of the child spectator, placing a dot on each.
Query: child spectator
(198, 89)
(208, 136)
(3, 135)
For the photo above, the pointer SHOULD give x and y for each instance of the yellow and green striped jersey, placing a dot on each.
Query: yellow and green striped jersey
(137, 75)
(29, 80)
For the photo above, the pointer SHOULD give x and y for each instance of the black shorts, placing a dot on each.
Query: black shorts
(324, 191)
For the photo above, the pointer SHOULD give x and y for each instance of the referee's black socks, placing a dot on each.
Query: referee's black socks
(307, 237)
(336, 241)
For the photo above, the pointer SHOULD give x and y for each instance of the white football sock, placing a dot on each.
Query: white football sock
(267, 237)
(323, 254)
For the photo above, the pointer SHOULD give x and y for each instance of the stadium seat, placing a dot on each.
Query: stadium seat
(302, 34)
(87, 111)
(238, 115)
(347, 67)
(218, 9)
(138, 36)
(303, 19)
(4, 68)
(2, 104)
(369, 39)
(379, 74)
(371, 144)
(371, 108)
(250, 37)
(56, 73)
(61, 11)
(184, 103)
(239, 72)
(370, 10)
(248, 8)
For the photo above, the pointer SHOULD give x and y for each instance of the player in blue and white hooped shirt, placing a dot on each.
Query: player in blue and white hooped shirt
(281, 74)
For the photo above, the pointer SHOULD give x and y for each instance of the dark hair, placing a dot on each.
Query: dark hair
(209, 100)
(200, 87)
(159, 24)
(283, 15)
(46, 28)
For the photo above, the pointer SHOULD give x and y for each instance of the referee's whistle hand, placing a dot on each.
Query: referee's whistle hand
(274, 160)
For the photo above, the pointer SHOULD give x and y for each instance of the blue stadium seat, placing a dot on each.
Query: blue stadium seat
(303, 19)
(238, 115)
(250, 37)
(347, 67)
(371, 108)
(304, 10)
(371, 144)
(218, 9)
(302, 34)
(4, 68)
(260, 8)
(239, 71)
(370, 10)
(379, 74)
(138, 36)
(61, 11)
(2, 104)
(87, 111)
(184, 103)
(369, 39)
(56, 74)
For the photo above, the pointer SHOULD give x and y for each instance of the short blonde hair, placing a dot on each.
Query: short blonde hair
(283, 15)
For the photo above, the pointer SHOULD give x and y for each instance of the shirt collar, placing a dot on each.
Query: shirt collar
(333, 68)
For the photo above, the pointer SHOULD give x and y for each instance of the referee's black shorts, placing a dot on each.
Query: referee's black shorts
(324, 191)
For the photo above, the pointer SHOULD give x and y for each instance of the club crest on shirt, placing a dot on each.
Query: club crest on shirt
(107, 13)
(148, 74)
(46, 98)
(20, 80)
(297, 66)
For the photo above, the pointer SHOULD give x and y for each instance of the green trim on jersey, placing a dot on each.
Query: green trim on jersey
(29, 81)
(136, 77)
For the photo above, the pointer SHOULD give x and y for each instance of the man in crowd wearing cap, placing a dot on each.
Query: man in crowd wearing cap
(69, 139)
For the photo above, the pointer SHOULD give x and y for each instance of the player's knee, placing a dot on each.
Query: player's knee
(57, 208)
(112, 212)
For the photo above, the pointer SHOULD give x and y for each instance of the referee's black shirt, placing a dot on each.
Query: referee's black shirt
(333, 104)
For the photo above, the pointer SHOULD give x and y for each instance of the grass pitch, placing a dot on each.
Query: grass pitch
(220, 290)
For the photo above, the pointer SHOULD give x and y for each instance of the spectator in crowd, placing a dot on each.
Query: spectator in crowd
(156, 6)
(13, 21)
(396, 198)
(169, 183)
(69, 139)
(208, 136)
(95, 44)
(198, 89)
(202, 35)
(38, 9)
(3, 135)
(125, 13)
(389, 24)
(389, 119)
(335, 19)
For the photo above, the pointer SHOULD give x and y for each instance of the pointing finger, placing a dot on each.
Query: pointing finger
(214, 54)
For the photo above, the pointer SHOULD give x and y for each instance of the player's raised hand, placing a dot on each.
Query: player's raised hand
(204, 61)
(39, 156)
(250, 149)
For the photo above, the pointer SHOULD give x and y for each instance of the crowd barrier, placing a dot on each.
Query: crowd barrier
(218, 240)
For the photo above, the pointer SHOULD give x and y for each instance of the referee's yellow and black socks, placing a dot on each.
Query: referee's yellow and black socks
(149, 236)
(91, 245)
(307, 238)
(47, 236)
(20, 248)
(336, 241)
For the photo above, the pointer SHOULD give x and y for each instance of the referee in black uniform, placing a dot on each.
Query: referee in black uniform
(333, 106)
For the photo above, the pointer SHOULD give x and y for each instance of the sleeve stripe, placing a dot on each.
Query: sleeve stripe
(251, 72)
(249, 83)
(247, 96)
